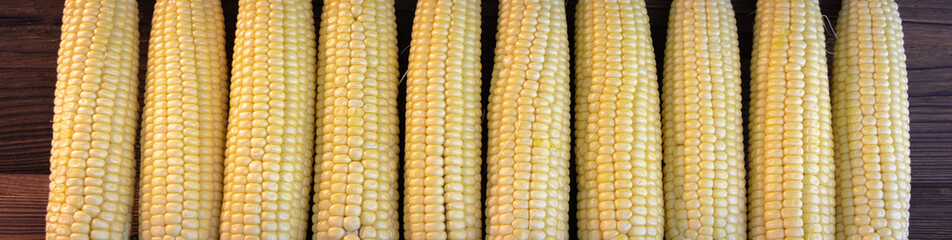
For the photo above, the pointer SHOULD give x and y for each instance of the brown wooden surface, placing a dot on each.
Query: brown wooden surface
(29, 38)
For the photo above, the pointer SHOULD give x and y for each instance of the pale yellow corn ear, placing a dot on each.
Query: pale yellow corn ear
(92, 162)
(268, 158)
(618, 123)
(357, 177)
(703, 123)
(529, 136)
(183, 123)
(790, 184)
(871, 122)
(444, 123)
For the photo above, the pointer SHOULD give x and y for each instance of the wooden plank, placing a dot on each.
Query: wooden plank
(930, 213)
(23, 205)
(30, 41)
(925, 11)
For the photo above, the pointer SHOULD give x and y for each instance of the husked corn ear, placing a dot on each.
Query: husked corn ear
(529, 123)
(703, 131)
(444, 117)
(357, 177)
(271, 122)
(871, 122)
(92, 162)
(790, 184)
(183, 127)
(618, 123)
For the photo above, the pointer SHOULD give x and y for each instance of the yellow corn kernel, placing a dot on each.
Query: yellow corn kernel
(270, 124)
(703, 131)
(618, 123)
(357, 176)
(871, 122)
(444, 123)
(529, 136)
(92, 162)
(790, 184)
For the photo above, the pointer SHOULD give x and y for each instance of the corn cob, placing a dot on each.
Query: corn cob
(529, 123)
(871, 122)
(357, 192)
(619, 123)
(270, 129)
(444, 116)
(703, 131)
(183, 127)
(791, 188)
(92, 162)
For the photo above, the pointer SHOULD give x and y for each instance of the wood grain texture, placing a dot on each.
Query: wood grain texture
(23, 205)
(29, 38)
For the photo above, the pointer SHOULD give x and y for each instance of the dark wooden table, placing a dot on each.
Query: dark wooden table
(29, 38)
